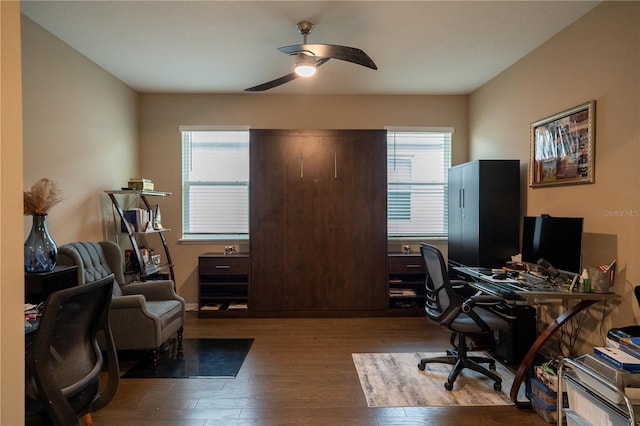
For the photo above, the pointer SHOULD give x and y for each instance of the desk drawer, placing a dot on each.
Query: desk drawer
(223, 265)
(405, 264)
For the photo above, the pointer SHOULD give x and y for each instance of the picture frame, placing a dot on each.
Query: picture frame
(562, 148)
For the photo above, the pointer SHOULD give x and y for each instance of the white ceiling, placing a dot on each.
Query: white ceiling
(420, 47)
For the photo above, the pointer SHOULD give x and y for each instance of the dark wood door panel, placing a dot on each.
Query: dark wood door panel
(328, 216)
(266, 198)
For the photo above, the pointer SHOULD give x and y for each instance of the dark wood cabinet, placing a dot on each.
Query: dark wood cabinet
(318, 222)
(223, 285)
(484, 213)
(38, 286)
(405, 276)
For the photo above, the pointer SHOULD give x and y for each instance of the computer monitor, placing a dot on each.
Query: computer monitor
(558, 240)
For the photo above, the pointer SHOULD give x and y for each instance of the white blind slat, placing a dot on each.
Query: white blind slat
(417, 172)
(215, 179)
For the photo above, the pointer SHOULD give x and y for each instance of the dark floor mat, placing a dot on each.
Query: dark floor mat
(200, 358)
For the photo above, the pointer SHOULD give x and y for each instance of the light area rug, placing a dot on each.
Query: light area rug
(393, 380)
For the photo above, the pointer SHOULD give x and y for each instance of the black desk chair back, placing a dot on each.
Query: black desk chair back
(65, 361)
(461, 317)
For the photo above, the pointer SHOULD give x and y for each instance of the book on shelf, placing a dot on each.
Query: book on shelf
(140, 184)
(211, 307)
(237, 306)
(396, 292)
(139, 220)
(618, 358)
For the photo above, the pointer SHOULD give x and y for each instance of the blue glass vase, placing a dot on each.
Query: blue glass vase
(40, 251)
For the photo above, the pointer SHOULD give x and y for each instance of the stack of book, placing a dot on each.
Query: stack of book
(140, 184)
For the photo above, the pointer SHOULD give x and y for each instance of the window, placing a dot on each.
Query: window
(418, 163)
(215, 183)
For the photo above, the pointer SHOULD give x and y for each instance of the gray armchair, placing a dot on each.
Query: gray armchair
(144, 315)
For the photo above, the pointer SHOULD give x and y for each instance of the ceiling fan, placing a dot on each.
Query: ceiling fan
(311, 56)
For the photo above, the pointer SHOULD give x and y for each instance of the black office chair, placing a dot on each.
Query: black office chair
(64, 363)
(461, 317)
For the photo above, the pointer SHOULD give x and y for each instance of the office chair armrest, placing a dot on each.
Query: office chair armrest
(463, 289)
(113, 371)
(485, 299)
(480, 300)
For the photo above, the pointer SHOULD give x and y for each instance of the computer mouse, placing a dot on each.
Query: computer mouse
(499, 276)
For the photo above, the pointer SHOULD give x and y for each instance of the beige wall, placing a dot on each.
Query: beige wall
(160, 116)
(80, 129)
(74, 123)
(11, 259)
(596, 58)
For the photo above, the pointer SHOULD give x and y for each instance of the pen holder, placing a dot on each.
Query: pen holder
(600, 280)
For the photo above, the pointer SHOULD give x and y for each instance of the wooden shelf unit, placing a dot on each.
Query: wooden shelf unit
(405, 272)
(223, 281)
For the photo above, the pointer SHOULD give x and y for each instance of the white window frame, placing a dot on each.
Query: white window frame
(419, 221)
(188, 234)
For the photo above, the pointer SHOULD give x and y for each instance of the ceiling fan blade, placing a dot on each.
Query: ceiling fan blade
(273, 83)
(344, 53)
(282, 80)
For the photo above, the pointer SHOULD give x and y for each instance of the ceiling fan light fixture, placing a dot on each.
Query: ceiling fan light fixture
(305, 65)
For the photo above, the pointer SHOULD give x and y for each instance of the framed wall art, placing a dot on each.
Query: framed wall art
(562, 148)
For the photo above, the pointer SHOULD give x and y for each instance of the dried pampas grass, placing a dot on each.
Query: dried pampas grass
(44, 194)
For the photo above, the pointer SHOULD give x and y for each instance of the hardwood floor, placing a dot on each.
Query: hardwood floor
(299, 372)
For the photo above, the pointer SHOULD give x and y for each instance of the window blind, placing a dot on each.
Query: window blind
(215, 182)
(418, 162)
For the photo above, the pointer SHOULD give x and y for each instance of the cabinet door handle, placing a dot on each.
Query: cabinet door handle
(335, 165)
(462, 198)
(413, 266)
(223, 266)
(301, 167)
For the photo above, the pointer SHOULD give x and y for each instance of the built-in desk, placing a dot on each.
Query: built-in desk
(533, 293)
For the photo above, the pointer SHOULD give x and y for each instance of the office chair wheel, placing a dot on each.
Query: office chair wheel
(497, 386)
(448, 386)
(421, 366)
